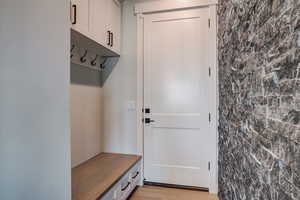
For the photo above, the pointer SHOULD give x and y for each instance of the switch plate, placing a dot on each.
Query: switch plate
(131, 105)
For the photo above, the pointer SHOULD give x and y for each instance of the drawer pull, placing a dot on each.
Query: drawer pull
(124, 188)
(137, 173)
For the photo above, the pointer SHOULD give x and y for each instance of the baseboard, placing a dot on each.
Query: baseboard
(176, 186)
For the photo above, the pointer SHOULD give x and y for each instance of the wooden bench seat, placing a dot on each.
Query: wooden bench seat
(94, 178)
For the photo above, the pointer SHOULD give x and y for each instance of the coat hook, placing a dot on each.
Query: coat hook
(93, 62)
(73, 47)
(102, 65)
(83, 58)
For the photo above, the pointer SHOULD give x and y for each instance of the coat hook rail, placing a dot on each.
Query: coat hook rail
(83, 58)
(73, 47)
(102, 65)
(93, 62)
(88, 67)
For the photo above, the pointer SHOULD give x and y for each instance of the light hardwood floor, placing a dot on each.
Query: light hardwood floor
(162, 193)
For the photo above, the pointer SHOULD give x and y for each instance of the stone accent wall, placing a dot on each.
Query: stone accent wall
(259, 83)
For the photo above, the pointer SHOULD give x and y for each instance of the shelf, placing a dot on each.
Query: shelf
(84, 42)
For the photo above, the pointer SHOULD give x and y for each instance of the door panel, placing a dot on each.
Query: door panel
(176, 90)
(99, 21)
(82, 16)
(115, 24)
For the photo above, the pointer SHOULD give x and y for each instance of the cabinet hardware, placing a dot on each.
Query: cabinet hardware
(75, 14)
(112, 39)
(209, 71)
(208, 23)
(208, 166)
(124, 188)
(137, 173)
(109, 33)
(209, 117)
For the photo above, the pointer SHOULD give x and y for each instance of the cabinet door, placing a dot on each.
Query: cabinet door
(115, 24)
(99, 18)
(80, 16)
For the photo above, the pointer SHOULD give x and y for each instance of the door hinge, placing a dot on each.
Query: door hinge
(209, 117)
(208, 166)
(208, 23)
(209, 71)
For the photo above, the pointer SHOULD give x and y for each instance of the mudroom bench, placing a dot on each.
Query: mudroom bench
(107, 176)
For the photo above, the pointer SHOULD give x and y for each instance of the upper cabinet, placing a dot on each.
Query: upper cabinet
(99, 20)
(79, 16)
(114, 24)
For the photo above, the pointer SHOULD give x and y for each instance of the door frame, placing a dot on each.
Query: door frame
(142, 9)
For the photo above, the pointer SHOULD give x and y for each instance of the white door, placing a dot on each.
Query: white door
(176, 143)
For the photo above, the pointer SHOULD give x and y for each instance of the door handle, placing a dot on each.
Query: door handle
(148, 120)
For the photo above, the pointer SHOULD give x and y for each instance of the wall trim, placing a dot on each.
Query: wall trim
(213, 187)
(167, 5)
(140, 91)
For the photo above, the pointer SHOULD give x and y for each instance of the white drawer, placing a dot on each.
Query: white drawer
(135, 174)
(109, 195)
(124, 187)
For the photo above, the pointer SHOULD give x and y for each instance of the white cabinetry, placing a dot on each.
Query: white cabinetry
(79, 16)
(99, 20)
(114, 24)
(99, 16)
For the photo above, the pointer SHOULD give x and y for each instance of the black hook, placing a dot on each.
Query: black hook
(83, 59)
(93, 62)
(102, 65)
(73, 47)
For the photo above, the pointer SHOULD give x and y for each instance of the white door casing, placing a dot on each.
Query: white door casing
(141, 10)
(176, 89)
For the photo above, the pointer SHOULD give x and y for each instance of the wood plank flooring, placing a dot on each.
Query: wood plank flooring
(162, 193)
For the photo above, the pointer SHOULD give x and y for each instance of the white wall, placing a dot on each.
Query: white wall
(120, 90)
(86, 122)
(119, 120)
(34, 111)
